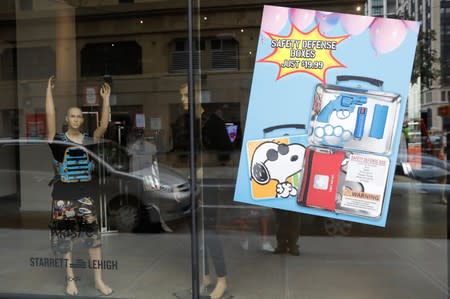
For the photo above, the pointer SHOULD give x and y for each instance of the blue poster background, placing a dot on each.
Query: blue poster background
(289, 100)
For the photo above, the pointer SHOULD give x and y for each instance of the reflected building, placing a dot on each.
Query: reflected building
(434, 17)
(141, 46)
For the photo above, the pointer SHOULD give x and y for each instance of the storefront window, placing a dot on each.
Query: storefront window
(240, 240)
(93, 190)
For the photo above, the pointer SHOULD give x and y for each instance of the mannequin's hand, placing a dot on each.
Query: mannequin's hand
(51, 82)
(105, 91)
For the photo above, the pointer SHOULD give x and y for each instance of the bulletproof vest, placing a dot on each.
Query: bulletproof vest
(76, 166)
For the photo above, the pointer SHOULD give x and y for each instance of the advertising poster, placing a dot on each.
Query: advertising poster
(327, 101)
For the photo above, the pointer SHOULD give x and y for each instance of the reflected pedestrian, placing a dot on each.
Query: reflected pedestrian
(262, 217)
(287, 232)
(443, 157)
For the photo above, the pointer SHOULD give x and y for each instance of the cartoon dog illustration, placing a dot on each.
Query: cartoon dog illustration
(277, 161)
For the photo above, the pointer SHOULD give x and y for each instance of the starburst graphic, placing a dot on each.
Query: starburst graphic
(304, 52)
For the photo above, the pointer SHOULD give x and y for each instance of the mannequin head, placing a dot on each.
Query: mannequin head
(74, 118)
(184, 92)
(184, 97)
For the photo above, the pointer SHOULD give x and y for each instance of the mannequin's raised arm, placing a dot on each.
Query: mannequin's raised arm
(50, 110)
(105, 92)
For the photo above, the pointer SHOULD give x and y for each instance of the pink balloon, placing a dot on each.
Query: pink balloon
(413, 26)
(387, 34)
(327, 20)
(274, 18)
(302, 18)
(354, 24)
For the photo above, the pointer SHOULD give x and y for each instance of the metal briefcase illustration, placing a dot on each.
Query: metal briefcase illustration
(357, 115)
(276, 163)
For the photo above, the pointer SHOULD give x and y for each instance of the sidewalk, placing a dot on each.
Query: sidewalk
(157, 265)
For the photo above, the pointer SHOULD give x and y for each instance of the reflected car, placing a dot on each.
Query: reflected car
(426, 176)
(154, 194)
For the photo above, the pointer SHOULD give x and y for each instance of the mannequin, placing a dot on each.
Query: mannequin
(180, 127)
(215, 139)
(73, 197)
(209, 287)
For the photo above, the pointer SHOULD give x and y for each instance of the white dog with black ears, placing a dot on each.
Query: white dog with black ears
(277, 161)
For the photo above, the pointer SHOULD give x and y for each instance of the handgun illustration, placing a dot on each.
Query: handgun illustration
(343, 102)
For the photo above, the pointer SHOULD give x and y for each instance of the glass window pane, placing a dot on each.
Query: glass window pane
(94, 197)
(238, 240)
